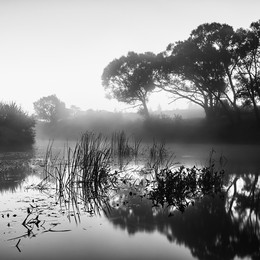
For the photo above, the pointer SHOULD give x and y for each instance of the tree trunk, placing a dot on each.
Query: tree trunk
(255, 107)
(256, 110)
(145, 110)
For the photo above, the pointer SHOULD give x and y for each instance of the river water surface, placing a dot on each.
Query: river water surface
(35, 224)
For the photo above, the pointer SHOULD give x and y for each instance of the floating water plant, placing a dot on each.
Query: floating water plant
(182, 187)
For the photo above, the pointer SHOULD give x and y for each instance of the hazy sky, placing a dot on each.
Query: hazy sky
(62, 46)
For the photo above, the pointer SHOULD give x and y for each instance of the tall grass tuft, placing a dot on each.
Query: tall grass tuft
(120, 144)
(81, 172)
(122, 150)
(159, 158)
(136, 146)
(94, 157)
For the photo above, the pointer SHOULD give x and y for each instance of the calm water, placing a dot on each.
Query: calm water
(212, 229)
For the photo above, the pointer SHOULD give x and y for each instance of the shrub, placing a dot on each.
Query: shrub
(16, 126)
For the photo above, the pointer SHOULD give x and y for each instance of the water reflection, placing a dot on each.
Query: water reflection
(214, 228)
(14, 167)
(243, 203)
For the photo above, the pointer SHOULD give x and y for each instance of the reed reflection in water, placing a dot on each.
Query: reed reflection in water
(216, 226)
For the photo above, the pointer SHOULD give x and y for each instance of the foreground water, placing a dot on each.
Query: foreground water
(36, 224)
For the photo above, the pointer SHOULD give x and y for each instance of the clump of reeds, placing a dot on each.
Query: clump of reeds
(136, 146)
(124, 148)
(120, 144)
(89, 161)
(94, 156)
(81, 172)
(123, 145)
(159, 158)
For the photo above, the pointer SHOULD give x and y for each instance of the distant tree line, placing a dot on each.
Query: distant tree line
(70, 123)
(216, 68)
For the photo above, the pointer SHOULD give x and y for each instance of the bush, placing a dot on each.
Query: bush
(16, 126)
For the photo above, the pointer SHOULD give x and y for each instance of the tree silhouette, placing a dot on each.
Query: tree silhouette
(217, 68)
(50, 109)
(130, 79)
(197, 67)
(248, 69)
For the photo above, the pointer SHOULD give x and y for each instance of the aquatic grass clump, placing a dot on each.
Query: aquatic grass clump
(123, 145)
(81, 173)
(124, 148)
(120, 144)
(159, 158)
(136, 146)
(94, 155)
(183, 186)
(88, 161)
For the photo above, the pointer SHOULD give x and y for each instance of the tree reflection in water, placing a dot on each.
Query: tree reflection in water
(219, 227)
(14, 167)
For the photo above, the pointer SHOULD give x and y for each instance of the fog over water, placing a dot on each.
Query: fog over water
(129, 129)
(61, 47)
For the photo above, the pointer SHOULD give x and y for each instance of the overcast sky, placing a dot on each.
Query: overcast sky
(62, 46)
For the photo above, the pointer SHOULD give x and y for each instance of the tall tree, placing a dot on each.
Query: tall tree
(248, 66)
(130, 79)
(199, 67)
(50, 109)
(220, 37)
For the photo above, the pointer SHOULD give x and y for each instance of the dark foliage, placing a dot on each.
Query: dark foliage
(130, 79)
(16, 126)
(180, 188)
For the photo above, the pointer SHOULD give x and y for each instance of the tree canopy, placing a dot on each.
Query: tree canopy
(50, 109)
(196, 66)
(130, 79)
(248, 66)
(216, 68)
